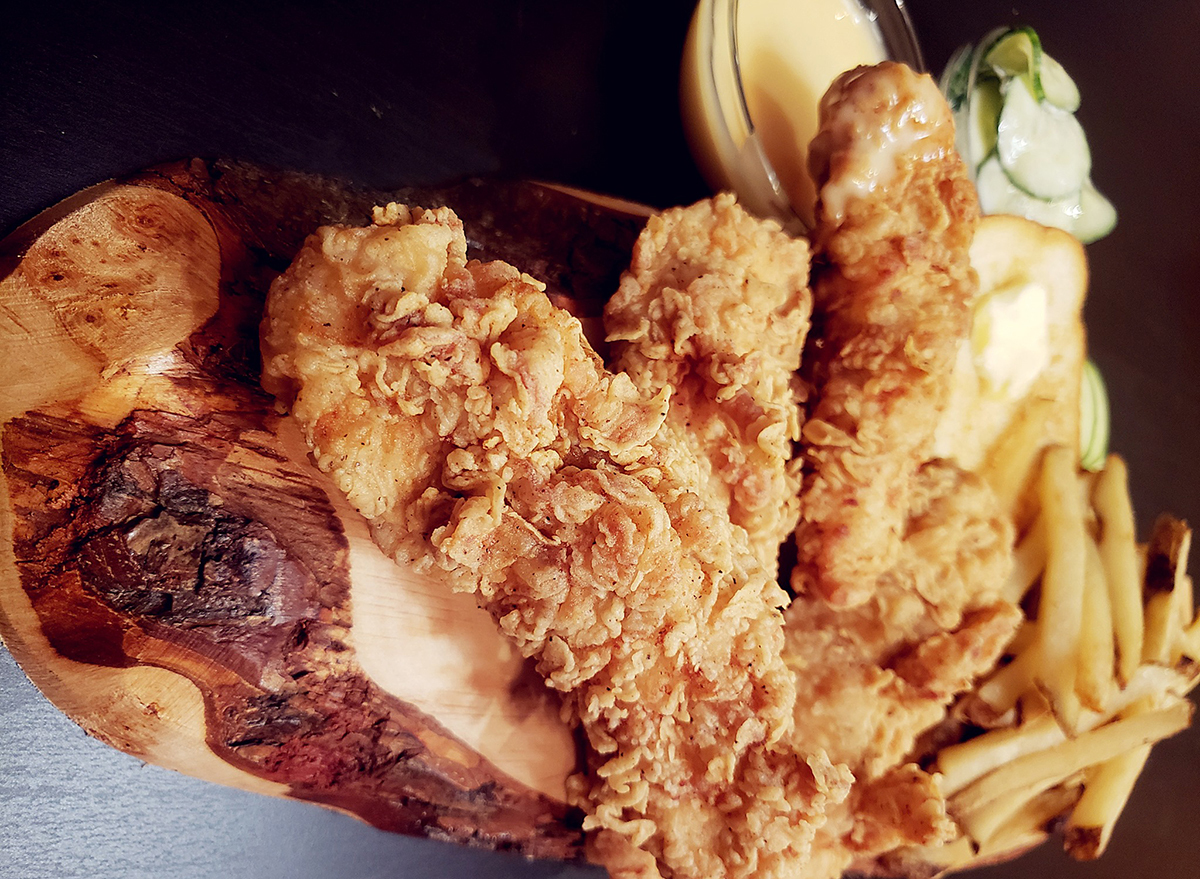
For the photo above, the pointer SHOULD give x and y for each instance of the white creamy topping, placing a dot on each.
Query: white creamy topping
(883, 145)
(1010, 338)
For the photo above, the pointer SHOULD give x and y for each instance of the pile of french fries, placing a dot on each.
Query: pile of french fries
(1099, 671)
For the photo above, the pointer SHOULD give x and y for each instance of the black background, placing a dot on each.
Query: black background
(583, 93)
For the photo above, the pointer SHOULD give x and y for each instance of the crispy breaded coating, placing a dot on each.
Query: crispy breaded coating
(872, 678)
(716, 306)
(895, 219)
(468, 419)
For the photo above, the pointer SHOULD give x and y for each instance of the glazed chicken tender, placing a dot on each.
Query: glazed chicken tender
(468, 419)
(716, 306)
(901, 557)
(895, 219)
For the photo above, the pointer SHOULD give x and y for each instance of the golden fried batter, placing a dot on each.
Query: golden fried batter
(470, 422)
(716, 306)
(894, 224)
(870, 679)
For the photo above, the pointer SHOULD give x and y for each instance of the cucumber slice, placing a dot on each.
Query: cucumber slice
(1042, 147)
(1097, 216)
(1087, 214)
(989, 41)
(969, 146)
(1056, 85)
(1094, 419)
(983, 117)
(1019, 53)
(1016, 52)
(999, 195)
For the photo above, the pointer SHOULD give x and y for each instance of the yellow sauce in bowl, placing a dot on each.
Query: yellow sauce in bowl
(753, 74)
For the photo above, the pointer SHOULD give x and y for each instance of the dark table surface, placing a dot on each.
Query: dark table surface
(399, 93)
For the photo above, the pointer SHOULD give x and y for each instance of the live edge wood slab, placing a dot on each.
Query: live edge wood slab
(179, 579)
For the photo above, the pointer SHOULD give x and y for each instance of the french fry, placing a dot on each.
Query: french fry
(1190, 640)
(1156, 682)
(1106, 790)
(1183, 649)
(1027, 824)
(999, 824)
(1168, 547)
(1046, 768)
(1118, 549)
(1186, 603)
(1033, 705)
(1097, 658)
(1166, 555)
(1156, 648)
(982, 822)
(961, 764)
(1008, 843)
(992, 700)
(1086, 481)
(1060, 609)
(1029, 560)
(967, 761)
(1106, 606)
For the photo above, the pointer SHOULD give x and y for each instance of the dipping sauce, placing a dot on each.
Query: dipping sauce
(761, 103)
(790, 51)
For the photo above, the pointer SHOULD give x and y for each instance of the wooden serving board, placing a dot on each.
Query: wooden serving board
(178, 578)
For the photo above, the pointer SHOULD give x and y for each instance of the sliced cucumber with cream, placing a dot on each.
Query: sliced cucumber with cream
(1014, 107)
(1018, 53)
(1086, 214)
(983, 116)
(1042, 147)
(1097, 216)
(999, 195)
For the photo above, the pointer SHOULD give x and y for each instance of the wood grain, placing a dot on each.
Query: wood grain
(180, 581)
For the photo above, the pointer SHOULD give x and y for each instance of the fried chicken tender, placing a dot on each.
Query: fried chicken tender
(468, 419)
(716, 306)
(872, 678)
(895, 219)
